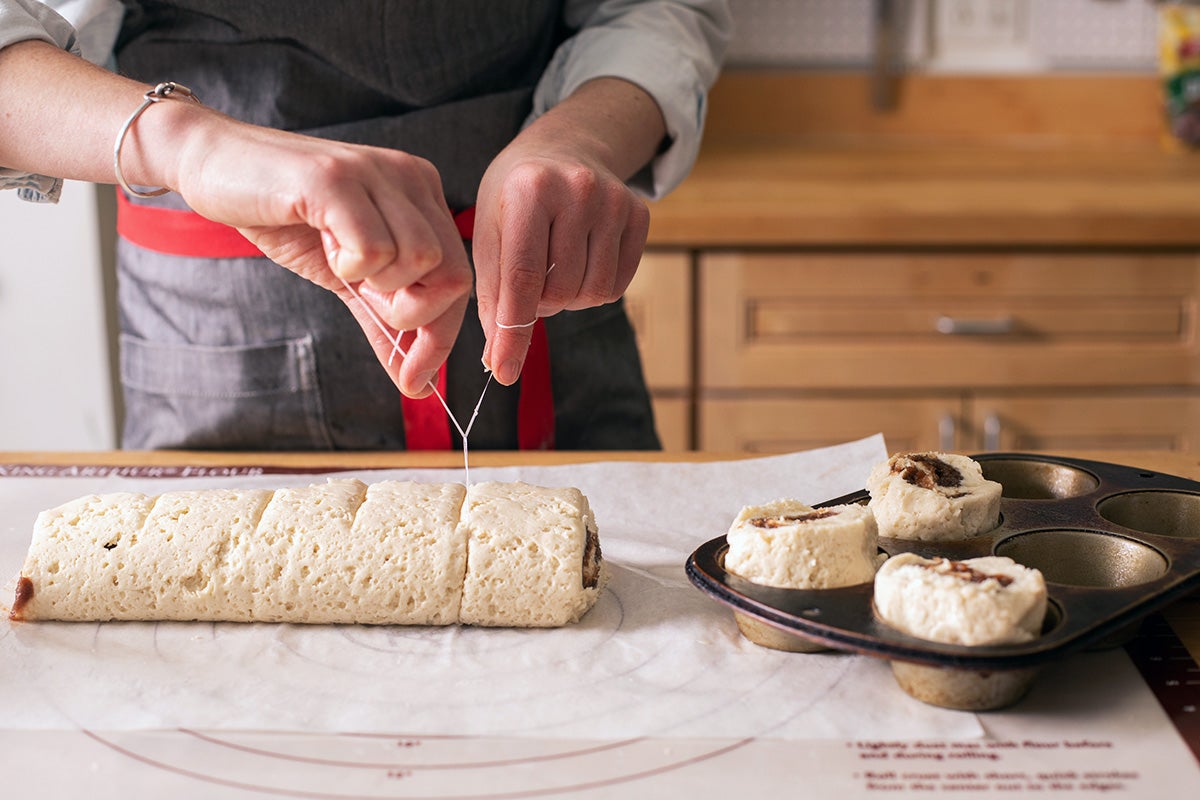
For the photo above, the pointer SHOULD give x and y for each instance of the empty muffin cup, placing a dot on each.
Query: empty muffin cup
(1029, 479)
(1175, 514)
(1085, 557)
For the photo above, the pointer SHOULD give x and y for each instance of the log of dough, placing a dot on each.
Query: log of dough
(932, 497)
(340, 552)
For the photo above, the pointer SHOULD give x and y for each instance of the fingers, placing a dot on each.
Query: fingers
(414, 368)
(552, 238)
(392, 234)
(386, 230)
(346, 215)
(522, 278)
(430, 348)
(392, 227)
(381, 235)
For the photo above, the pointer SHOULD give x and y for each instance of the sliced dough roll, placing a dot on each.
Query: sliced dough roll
(340, 552)
(990, 600)
(300, 563)
(533, 556)
(932, 497)
(177, 566)
(413, 552)
(73, 571)
(790, 545)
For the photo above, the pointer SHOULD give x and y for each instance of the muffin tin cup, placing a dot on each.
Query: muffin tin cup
(765, 635)
(964, 689)
(1115, 543)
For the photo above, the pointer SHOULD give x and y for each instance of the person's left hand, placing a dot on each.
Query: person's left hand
(556, 228)
(552, 232)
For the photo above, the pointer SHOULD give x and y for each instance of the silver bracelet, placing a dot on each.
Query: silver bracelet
(164, 91)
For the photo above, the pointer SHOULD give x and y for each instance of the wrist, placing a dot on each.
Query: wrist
(608, 120)
(158, 142)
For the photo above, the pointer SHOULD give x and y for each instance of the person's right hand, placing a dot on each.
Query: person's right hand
(326, 210)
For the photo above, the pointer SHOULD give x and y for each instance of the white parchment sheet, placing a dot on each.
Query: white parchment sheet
(655, 657)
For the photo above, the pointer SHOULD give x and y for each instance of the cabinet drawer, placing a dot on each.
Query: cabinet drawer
(1113, 420)
(659, 304)
(673, 419)
(944, 320)
(778, 425)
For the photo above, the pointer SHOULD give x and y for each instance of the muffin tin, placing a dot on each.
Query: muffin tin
(1113, 542)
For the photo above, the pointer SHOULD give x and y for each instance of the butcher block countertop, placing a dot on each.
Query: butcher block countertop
(795, 159)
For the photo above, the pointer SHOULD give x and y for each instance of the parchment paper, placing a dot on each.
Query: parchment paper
(655, 657)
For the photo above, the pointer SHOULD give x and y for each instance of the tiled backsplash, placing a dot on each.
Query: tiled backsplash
(1057, 35)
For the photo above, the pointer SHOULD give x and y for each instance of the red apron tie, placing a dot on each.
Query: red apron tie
(186, 233)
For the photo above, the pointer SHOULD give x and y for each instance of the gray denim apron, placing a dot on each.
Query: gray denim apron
(239, 353)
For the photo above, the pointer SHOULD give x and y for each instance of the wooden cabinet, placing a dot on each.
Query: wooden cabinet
(983, 265)
(746, 423)
(1132, 419)
(659, 303)
(955, 350)
(947, 320)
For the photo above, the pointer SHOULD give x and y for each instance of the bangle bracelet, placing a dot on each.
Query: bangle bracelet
(164, 91)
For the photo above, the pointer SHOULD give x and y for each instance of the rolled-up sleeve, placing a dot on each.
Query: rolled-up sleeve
(672, 49)
(25, 20)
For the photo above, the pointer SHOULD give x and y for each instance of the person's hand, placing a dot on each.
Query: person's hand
(326, 210)
(555, 226)
(552, 232)
(329, 211)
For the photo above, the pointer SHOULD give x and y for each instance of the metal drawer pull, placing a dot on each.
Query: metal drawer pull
(991, 432)
(946, 429)
(960, 326)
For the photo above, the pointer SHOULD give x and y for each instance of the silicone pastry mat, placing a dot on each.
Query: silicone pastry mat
(1106, 730)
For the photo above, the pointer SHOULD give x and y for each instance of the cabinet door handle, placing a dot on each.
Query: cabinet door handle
(966, 326)
(991, 432)
(946, 427)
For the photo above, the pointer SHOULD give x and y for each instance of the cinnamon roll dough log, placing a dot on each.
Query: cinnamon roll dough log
(340, 552)
(181, 563)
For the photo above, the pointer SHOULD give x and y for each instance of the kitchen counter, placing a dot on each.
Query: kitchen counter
(794, 159)
(1127, 727)
(1183, 616)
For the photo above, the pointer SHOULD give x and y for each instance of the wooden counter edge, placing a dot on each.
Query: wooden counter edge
(344, 459)
(1186, 465)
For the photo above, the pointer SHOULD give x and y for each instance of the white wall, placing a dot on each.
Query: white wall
(55, 384)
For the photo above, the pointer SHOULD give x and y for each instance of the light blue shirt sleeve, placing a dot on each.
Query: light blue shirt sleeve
(672, 49)
(87, 28)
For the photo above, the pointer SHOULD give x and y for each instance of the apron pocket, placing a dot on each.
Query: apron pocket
(240, 397)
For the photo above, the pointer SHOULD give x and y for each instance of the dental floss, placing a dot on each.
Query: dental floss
(396, 348)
